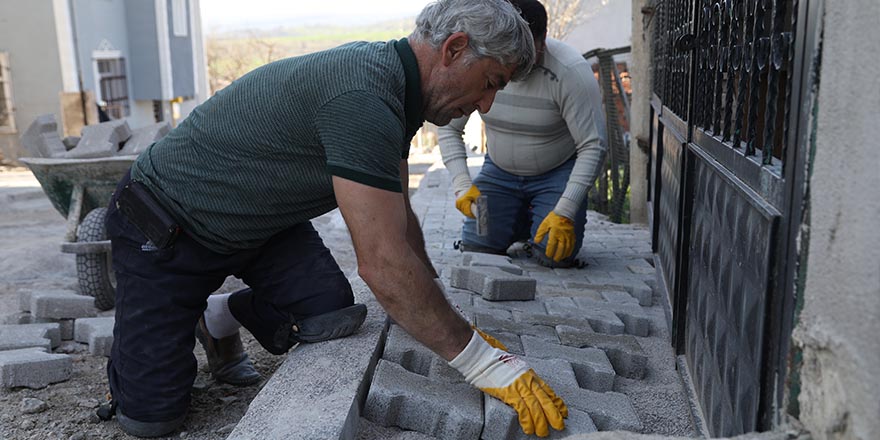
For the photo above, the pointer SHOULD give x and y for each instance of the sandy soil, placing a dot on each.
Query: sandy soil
(30, 234)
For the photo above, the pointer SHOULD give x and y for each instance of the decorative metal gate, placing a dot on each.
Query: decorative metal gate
(726, 192)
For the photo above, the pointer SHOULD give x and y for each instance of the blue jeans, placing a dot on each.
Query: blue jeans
(161, 294)
(518, 205)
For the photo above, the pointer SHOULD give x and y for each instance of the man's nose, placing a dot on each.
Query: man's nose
(485, 102)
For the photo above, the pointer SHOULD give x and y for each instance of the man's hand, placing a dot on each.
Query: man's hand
(463, 203)
(560, 244)
(509, 379)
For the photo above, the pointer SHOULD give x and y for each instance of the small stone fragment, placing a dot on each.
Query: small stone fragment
(29, 405)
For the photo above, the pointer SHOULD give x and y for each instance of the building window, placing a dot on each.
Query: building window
(113, 87)
(178, 16)
(7, 120)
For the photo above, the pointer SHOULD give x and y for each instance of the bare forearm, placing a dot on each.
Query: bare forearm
(416, 240)
(405, 289)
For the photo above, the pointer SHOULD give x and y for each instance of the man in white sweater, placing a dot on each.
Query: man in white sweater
(546, 143)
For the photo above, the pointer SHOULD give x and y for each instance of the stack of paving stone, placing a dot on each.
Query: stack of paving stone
(112, 138)
(46, 319)
(579, 344)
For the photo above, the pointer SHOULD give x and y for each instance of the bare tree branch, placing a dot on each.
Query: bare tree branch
(565, 15)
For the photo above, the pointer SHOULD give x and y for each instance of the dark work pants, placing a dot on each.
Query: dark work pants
(162, 293)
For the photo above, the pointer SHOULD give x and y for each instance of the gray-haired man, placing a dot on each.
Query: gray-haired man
(232, 189)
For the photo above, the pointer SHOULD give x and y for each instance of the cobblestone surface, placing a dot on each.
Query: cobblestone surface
(597, 334)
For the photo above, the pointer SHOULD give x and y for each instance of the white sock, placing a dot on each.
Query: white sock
(218, 318)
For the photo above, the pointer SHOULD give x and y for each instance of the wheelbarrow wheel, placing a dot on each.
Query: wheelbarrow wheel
(94, 271)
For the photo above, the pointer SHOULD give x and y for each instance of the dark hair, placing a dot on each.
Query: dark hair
(534, 13)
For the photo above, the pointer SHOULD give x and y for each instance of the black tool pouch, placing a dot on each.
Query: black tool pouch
(140, 207)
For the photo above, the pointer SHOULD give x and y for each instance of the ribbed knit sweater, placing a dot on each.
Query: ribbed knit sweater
(539, 123)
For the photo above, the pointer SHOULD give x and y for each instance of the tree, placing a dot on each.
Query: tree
(565, 15)
(230, 58)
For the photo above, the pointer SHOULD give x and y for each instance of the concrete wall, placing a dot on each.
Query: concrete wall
(640, 123)
(34, 59)
(839, 328)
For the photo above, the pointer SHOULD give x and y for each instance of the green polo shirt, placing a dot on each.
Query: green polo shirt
(258, 156)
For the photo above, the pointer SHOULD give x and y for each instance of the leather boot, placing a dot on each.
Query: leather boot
(226, 358)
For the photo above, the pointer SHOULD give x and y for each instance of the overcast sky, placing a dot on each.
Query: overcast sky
(232, 14)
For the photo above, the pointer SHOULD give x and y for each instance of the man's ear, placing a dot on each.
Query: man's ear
(454, 48)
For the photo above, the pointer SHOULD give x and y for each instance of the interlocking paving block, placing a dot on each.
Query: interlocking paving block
(97, 332)
(70, 142)
(404, 350)
(617, 296)
(445, 410)
(17, 318)
(101, 140)
(30, 335)
(643, 293)
(557, 373)
(61, 304)
(635, 321)
(460, 297)
(324, 403)
(67, 329)
(470, 313)
(65, 326)
(41, 138)
(493, 284)
(24, 300)
(624, 351)
(510, 340)
(601, 320)
(552, 320)
(591, 365)
(142, 138)
(368, 430)
(500, 261)
(609, 410)
(489, 324)
(33, 368)
(536, 306)
(547, 278)
(502, 423)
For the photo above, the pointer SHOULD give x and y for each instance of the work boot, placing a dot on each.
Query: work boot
(147, 429)
(226, 358)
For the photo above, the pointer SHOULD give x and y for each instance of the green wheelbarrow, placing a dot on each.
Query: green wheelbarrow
(80, 190)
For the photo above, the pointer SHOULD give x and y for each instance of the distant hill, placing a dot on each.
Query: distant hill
(233, 53)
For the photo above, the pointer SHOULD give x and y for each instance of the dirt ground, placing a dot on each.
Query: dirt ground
(30, 233)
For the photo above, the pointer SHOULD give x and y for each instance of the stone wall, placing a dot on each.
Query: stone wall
(640, 121)
(840, 322)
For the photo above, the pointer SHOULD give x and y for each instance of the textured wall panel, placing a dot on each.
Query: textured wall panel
(670, 178)
(731, 253)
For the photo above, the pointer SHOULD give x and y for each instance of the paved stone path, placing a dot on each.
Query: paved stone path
(597, 335)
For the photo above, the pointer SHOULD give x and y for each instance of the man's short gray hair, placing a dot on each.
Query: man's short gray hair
(494, 27)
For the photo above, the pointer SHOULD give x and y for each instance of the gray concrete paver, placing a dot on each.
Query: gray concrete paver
(33, 368)
(408, 400)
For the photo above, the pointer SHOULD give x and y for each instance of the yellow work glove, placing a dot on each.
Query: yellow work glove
(560, 244)
(509, 379)
(464, 202)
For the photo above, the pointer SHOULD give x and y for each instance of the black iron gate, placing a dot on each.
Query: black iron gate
(726, 193)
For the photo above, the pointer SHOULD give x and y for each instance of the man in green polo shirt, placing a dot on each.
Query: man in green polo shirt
(231, 192)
